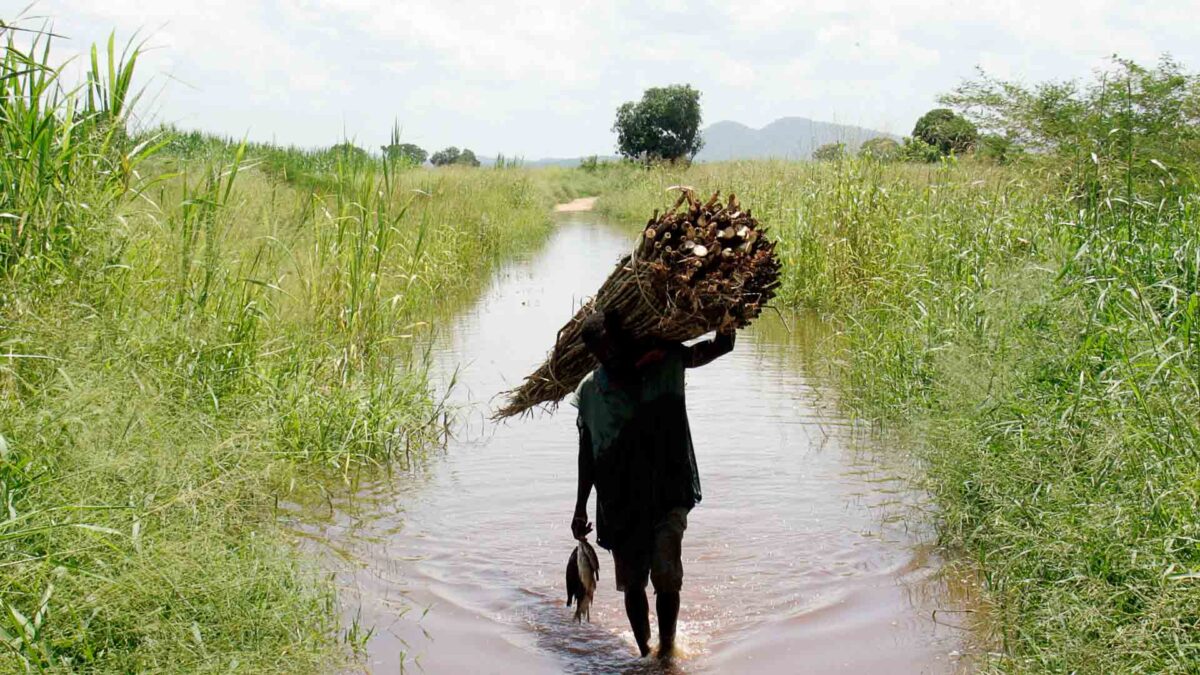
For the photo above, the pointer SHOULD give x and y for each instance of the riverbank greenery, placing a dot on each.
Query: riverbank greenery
(1033, 331)
(193, 332)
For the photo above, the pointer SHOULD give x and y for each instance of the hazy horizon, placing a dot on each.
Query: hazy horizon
(544, 80)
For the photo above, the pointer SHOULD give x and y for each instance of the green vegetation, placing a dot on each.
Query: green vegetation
(192, 331)
(396, 152)
(947, 131)
(830, 152)
(880, 149)
(1033, 332)
(1131, 124)
(407, 152)
(998, 149)
(663, 126)
(454, 156)
(918, 151)
(350, 153)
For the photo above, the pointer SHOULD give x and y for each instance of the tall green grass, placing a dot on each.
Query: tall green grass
(1037, 348)
(65, 154)
(188, 339)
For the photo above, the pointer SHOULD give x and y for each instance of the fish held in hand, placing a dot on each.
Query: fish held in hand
(583, 573)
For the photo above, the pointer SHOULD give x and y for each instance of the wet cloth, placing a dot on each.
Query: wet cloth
(637, 439)
(659, 560)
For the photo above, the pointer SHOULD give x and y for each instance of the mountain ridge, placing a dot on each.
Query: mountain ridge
(785, 138)
(790, 137)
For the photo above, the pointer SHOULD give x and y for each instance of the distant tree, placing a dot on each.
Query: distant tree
(881, 149)
(466, 158)
(406, 152)
(997, 148)
(917, 150)
(664, 125)
(946, 130)
(830, 152)
(350, 152)
(448, 156)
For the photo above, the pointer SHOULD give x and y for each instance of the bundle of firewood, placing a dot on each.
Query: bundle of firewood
(698, 267)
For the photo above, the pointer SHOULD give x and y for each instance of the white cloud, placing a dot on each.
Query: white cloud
(543, 78)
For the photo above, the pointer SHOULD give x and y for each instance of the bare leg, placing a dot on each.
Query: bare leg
(637, 608)
(667, 605)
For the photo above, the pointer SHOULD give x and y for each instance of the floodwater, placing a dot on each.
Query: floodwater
(802, 558)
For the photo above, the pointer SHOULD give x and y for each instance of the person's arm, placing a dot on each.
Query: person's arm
(580, 527)
(704, 353)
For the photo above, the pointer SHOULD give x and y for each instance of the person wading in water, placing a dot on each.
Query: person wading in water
(635, 447)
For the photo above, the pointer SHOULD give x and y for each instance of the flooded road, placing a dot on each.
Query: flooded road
(799, 560)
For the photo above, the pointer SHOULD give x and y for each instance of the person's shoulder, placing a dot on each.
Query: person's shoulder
(587, 383)
(585, 390)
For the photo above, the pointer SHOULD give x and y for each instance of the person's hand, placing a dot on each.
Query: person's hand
(580, 527)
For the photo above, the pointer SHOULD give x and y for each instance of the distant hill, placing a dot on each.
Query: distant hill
(785, 138)
(569, 162)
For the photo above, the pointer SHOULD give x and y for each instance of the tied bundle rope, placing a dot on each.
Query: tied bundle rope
(698, 267)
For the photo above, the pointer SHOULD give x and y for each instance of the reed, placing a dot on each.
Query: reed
(1035, 348)
(190, 336)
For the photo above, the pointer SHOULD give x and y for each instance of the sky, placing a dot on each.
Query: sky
(543, 79)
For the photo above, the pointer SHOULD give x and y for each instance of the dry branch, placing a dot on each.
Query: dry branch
(698, 267)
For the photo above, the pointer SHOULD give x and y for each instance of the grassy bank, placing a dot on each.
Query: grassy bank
(1037, 346)
(186, 340)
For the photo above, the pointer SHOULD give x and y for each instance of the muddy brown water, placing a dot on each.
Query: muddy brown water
(804, 556)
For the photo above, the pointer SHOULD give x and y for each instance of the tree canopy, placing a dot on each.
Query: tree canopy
(830, 152)
(467, 158)
(917, 150)
(1129, 113)
(664, 125)
(453, 155)
(946, 130)
(349, 151)
(405, 152)
(880, 148)
(447, 156)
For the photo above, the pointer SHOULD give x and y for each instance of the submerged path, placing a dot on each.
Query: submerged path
(799, 559)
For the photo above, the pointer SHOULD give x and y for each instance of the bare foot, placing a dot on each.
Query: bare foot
(666, 649)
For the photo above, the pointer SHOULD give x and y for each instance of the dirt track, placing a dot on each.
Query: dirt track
(581, 204)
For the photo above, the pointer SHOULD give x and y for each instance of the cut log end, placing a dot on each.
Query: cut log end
(718, 271)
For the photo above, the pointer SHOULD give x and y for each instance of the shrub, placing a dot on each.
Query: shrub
(998, 149)
(917, 150)
(882, 149)
(1132, 126)
(830, 152)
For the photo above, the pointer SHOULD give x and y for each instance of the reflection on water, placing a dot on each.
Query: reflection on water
(800, 558)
